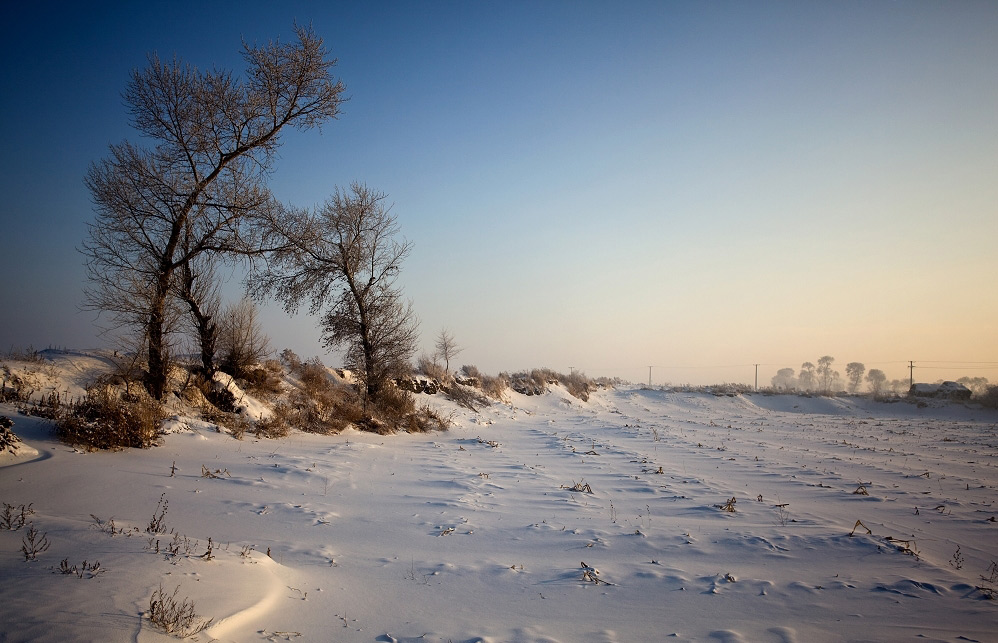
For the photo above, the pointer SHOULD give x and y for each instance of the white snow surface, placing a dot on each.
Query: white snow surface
(475, 534)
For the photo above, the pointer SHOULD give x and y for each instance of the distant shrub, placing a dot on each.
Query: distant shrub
(390, 411)
(219, 397)
(431, 369)
(532, 383)
(989, 399)
(467, 396)
(290, 360)
(538, 380)
(276, 426)
(577, 384)
(265, 380)
(241, 341)
(317, 405)
(14, 388)
(24, 355)
(104, 420)
(425, 419)
(725, 389)
(470, 370)
(495, 387)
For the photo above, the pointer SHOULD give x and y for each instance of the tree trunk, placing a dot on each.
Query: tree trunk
(156, 377)
(206, 328)
(207, 336)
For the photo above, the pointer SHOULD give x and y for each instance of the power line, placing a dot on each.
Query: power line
(944, 361)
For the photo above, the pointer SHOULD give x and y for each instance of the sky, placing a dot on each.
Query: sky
(698, 187)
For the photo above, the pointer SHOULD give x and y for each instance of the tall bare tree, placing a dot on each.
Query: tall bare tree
(854, 373)
(343, 259)
(825, 373)
(198, 186)
(877, 380)
(447, 348)
(807, 376)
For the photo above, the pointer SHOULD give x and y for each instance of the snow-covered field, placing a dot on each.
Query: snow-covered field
(545, 519)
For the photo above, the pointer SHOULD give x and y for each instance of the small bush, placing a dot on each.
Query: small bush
(48, 407)
(431, 369)
(425, 419)
(577, 384)
(495, 387)
(103, 420)
(537, 381)
(14, 388)
(492, 387)
(532, 383)
(468, 397)
(319, 405)
(241, 342)
(34, 543)
(276, 426)
(391, 410)
(220, 397)
(265, 381)
(13, 517)
(290, 360)
(470, 371)
(173, 617)
(8, 439)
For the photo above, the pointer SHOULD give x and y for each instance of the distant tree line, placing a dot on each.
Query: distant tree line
(822, 378)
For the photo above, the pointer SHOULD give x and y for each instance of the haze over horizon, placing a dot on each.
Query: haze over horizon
(597, 186)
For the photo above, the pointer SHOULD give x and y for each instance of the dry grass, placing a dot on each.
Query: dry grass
(104, 420)
(175, 617)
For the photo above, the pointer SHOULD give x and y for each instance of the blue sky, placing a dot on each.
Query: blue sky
(694, 186)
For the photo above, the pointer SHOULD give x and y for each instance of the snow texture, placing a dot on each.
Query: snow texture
(544, 519)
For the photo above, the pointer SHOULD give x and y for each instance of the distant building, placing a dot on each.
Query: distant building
(943, 390)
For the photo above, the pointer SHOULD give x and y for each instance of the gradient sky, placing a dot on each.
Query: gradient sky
(698, 186)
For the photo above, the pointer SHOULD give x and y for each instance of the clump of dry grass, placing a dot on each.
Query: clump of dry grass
(580, 487)
(107, 420)
(729, 505)
(173, 616)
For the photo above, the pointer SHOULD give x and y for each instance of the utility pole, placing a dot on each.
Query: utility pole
(757, 377)
(649, 376)
(911, 369)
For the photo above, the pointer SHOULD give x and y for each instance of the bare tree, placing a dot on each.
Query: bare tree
(240, 338)
(344, 259)
(877, 380)
(825, 373)
(784, 379)
(447, 348)
(807, 377)
(197, 188)
(854, 372)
